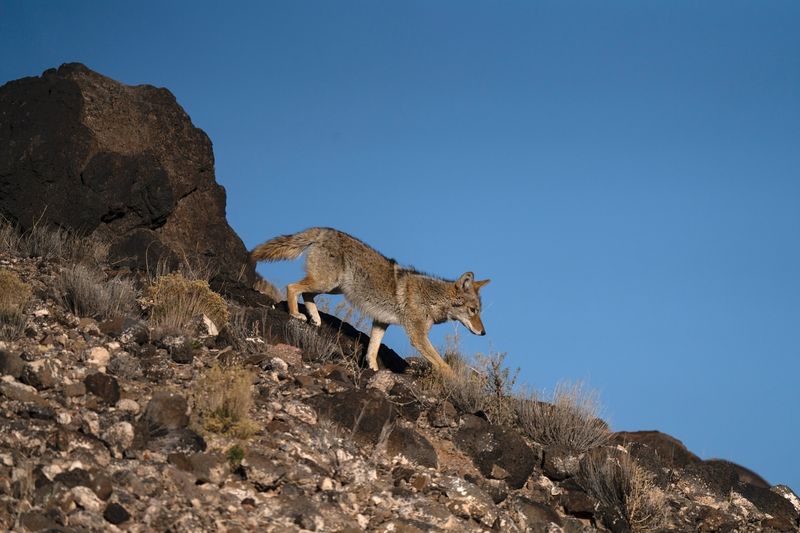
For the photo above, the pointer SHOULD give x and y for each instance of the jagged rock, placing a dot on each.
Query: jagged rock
(411, 445)
(208, 467)
(14, 390)
(443, 414)
(745, 474)
(41, 374)
(534, 516)
(113, 160)
(103, 386)
(98, 482)
(163, 426)
(672, 452)
(783, 515)
(165, 411)
(575, 500)
(364, 413)
(119, 437)
(263, 472)
(11, 364)
(116, 514)
(491, 446)
(560, 462)
(125, 366)
(467, 501)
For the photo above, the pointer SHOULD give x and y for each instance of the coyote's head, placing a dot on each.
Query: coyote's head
(466, 305)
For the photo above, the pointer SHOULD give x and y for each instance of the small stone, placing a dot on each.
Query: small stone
(443, 415)
(183, 354)
(40, 374)
(85, 498)
(301, 412)
(14, 390)
(41, 312)
(383, 381)
(291, 354)
(90, 423)
(98, 356)
(116, 514)
(89, 326)
(206, 327)
(325, 484)
(119, 437)
(129, 406)
(74, 389)
(104, 386)
(11, 364)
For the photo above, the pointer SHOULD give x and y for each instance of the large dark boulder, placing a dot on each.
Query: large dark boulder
(498, 452)
(124, 163)
(671, 451)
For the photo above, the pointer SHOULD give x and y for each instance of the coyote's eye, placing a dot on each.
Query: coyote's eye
(472, 310)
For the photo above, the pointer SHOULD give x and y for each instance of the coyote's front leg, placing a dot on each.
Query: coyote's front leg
(418, 334)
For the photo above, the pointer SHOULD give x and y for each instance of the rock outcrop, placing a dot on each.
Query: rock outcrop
(123, 163)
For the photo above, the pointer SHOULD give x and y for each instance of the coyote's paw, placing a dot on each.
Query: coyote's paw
(315, 321)
(300, 316)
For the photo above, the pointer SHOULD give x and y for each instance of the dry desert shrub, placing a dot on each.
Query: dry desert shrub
(223, 399)
(14, 298)
(570, 420)
(249, 333)
(315, 342)
(50, 243)
(86, 292)
(624, 488)
(177, 300)
(481, 383)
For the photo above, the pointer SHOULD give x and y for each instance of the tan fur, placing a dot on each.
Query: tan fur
(337, 263)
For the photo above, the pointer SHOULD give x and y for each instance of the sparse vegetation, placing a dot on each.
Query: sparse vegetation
(177, 300)
(248, 333)
(50, 243)
(86, 292)
(480, 383)
(235, 455)
(314, 341)
(570, 420)
(625, 488)
(14, 298)
(223, 399)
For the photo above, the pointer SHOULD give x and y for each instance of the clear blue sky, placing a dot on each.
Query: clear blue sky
(627, 173)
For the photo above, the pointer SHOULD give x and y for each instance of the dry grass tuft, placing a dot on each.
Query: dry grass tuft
(248, 333)
(50, 243)
(223, 399)
(624, 488)
(14, 298)
(315, 342)
(571, 420)
(85, 292)
(177, 300)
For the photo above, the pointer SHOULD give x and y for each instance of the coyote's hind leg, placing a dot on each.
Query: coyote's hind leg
(375, 337)
(311, 308)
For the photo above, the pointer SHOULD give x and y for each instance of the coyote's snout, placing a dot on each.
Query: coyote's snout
(337, 263)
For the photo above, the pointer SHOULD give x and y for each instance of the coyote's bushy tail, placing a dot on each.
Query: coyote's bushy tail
(285, 246)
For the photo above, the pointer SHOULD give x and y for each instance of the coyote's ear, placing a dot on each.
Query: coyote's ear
(465, 281)
(481, 283)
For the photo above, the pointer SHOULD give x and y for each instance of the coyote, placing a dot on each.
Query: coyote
(338, 263)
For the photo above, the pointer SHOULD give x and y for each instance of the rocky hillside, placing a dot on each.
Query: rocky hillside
(168, 395)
